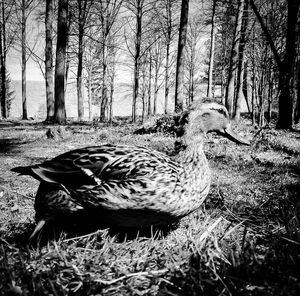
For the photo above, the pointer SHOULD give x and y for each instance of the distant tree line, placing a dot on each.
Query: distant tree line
(251, 53)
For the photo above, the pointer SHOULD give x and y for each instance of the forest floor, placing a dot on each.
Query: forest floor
(245, 240)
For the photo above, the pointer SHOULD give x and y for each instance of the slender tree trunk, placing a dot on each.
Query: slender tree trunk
(297, 108)
(212, 50)
(24, 99)
(168, 45)
(79, 72)
(60, 67)
(230, 90)
(112, 90)
(82, 14)
(155, 91)
(149, 111)
(241, 64)
(270, 95)
(90, 91)
(253, 113)
(104, 96)
(49, 61)
(1, 61)
(167, 77)
(4, 105)
(138, 41)
(179, 83)
(248, 87)
(261, 99)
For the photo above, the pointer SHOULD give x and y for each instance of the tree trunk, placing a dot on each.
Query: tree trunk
(241, 64)
(248, 87)
(82, 14)
(167, 77)
(79, 72)
(149, 111)
(179, 84)
(90, 91)
(155, 92)
(168, 44)
(230, 90)
(24, 99)
(286, 70)
(297, 108)
(212, 51)
(253, 113)
(49, 61)
(104, 97)
(286, 67)
(138, 41)
(60, 67)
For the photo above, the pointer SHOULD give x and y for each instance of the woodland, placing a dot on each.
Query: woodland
(244, 54)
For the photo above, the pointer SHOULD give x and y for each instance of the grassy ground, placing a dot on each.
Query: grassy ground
(245, 240)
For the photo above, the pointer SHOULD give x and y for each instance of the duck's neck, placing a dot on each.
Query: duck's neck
(194, 178)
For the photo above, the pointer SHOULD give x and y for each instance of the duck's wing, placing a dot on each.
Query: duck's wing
(90, 165)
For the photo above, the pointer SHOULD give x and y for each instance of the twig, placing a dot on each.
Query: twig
(15, 191)
(143, 273)
(82, 236)
(210, 229)
(290, 240)
(8, 244)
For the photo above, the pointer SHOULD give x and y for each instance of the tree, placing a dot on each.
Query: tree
(83, 10)
(168, 24)
(26, 7)
(212, 49)
(285, 65)
(60, 65)
(239, 96)
(234, 59)
(136, 7)
(108, 12)
(179, 84)
(49, 60)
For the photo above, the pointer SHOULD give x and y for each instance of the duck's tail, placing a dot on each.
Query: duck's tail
(22, 170)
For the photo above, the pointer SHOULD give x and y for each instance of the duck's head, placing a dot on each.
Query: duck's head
(208, 117)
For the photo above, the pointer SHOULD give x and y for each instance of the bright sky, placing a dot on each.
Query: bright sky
(14, 67)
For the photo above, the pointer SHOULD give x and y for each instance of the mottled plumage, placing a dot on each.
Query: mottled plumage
(130, 186)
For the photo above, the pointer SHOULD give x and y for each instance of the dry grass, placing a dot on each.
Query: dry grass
(244, 241)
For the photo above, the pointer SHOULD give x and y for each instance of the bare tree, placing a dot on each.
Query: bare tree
(49, 60)
(60, 65)
(285, 65)
(108, 12)
(82, 9)
(179, 86)
(212, 49)
(168, 23)
(25, 8)
(239, 96)
(230, 91)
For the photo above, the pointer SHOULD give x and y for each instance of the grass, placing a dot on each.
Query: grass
(245, 240)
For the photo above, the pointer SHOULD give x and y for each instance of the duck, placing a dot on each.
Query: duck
(130, 186)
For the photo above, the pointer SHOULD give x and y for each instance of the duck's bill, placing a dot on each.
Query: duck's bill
(231, 135)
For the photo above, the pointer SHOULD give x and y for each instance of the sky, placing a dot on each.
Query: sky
(14, 67)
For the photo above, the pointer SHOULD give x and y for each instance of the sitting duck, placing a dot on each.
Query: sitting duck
(130, 186)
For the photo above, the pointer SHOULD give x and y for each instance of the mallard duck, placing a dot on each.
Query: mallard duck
(130, 186)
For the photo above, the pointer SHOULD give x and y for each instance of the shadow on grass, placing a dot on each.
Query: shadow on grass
(8, 145)
(19, 235)
(273, 272)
